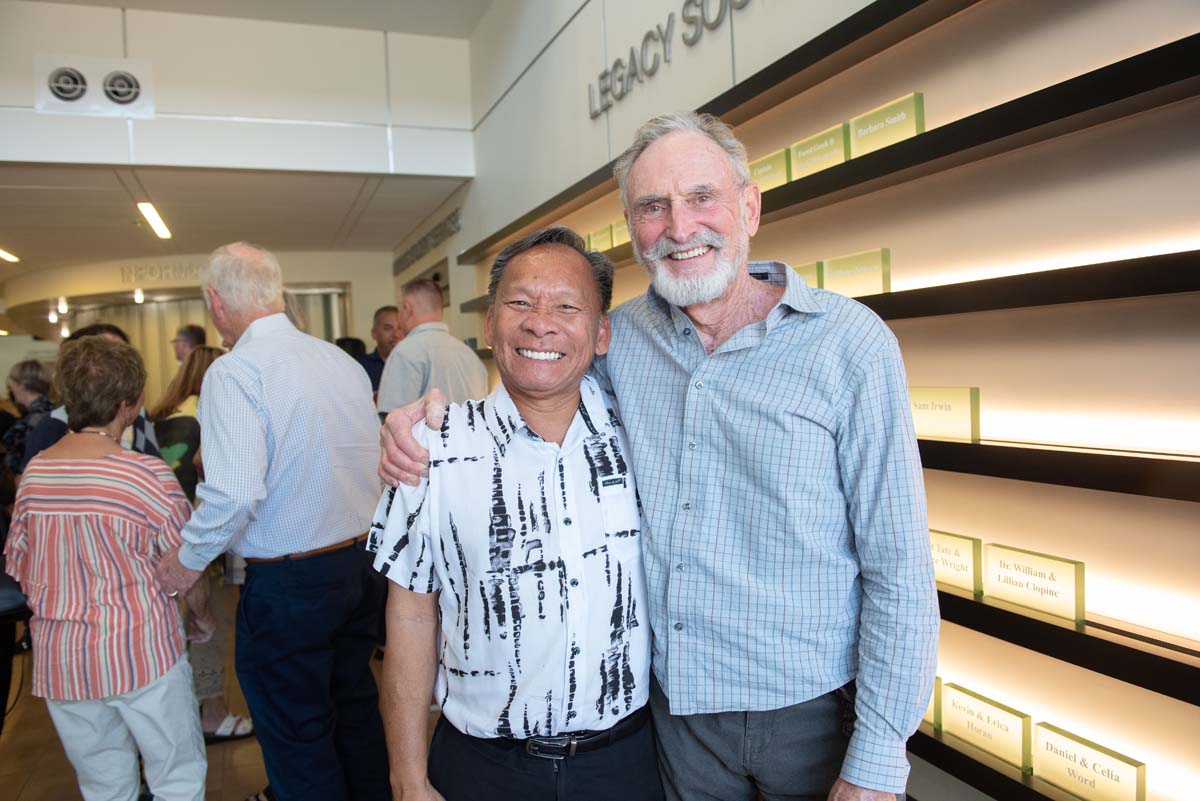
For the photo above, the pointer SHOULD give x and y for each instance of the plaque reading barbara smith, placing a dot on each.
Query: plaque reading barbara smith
(890, 123)
(1087, 769)
(1046, 583)
(986, 724)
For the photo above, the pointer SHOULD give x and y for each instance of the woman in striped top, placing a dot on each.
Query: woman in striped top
(90, 522)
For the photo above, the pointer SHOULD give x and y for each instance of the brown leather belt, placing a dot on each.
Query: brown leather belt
(337, 546)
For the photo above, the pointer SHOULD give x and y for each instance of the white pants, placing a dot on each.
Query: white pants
(102, 739)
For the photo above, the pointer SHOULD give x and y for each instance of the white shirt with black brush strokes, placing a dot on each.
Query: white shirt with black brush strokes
(535, 549)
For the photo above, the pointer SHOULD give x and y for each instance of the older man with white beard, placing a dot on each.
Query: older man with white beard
(792, 600)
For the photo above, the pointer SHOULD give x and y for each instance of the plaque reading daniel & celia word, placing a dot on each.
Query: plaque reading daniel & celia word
(890, 123)
(1086, 769)
(957, 561)
(820, 151)
(986, 724)
(1046, 583)
(771, 171)
(946, 413)
(858, 274)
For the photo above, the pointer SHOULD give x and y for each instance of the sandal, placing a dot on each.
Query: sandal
(233, 727)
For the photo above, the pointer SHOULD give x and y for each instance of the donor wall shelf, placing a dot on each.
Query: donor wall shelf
(1157, 665)
(1151, 476)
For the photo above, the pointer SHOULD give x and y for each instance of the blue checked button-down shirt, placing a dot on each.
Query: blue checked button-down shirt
(785, 535)
(291, 445)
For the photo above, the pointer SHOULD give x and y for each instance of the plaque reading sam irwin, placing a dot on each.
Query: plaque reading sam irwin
(1036, 580)
(957, 561)
(986, 724)
(946, 413)
(1086, 769)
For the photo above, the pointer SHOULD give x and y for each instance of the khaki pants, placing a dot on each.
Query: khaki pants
(102, 739)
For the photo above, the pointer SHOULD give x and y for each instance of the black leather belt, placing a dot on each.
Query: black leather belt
(579, 742)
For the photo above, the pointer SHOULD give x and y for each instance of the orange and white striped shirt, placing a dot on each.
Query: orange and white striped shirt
(85, 538)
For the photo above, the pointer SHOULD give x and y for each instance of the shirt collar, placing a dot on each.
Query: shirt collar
(797, 295)
(429, 327)
(507, 419)
(264, 326)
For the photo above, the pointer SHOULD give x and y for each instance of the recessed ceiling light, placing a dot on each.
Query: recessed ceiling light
(139, 296)
(62, 306)
(66, 332)
(52, 317)
(4, 254)
(151, 214)
(3, 333)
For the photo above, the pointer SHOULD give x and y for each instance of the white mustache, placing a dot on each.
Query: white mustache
(665, 246)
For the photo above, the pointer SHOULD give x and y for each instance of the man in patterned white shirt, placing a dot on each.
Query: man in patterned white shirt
(516, 565)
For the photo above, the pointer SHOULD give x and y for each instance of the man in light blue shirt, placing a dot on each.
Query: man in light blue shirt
(290, 441)
(792, 600)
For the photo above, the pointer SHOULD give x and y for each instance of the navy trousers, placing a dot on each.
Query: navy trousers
(306, 630)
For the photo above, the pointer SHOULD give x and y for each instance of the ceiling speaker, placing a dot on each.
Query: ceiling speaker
(100, 87)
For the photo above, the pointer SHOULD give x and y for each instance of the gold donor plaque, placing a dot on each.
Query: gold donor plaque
(620, 233)
(957, 561)
(933, 712)
(813, 273)
(986, 724)
(890, 123)
(602, 239)
(866, 273)
(1046, 583)
(820, 151)
(947, 413)
(771, 171)
(1086, 769)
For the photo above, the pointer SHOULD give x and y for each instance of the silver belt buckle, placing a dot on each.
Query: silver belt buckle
(533, 744)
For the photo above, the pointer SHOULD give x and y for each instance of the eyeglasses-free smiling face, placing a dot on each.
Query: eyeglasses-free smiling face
(689, 219)
(546, 324)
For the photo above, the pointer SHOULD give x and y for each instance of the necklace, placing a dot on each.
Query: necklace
(104, 434)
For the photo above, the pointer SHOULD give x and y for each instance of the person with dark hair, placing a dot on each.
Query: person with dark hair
(385, 330)
(428, 357)
(187, 338)
(54, 425)
(541, 658)
(355, 348)
(29, 388)
(90, 522)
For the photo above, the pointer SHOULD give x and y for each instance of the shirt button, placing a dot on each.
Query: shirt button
(566, 521)
(680, 568)
(687, 332)
(679, 627)
(574, 582)
(699, 385)
(687, 506)
(692, 446)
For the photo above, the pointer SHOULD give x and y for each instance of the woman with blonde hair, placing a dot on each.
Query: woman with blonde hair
(183, 392)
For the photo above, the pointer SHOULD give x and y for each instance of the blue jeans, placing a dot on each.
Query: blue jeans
(306, 630)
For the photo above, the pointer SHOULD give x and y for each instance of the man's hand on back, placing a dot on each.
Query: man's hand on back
(845, 791)
(402, 460)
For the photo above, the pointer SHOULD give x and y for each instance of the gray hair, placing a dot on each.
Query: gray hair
(246, 277)
(31, 374)
(664, 124)
(602, 266)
